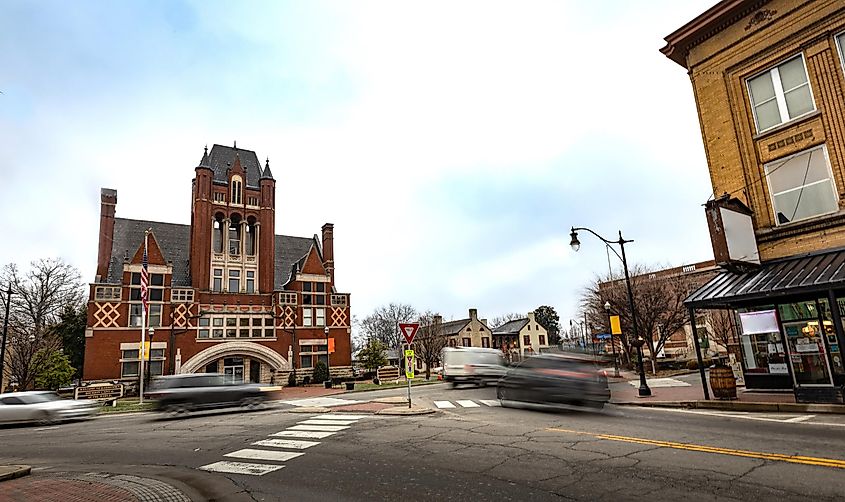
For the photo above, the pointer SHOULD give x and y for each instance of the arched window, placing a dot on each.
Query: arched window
(250, 237)
(217, 233)
(235, 235)
(236, 190)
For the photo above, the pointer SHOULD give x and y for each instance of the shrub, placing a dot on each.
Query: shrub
(692, 364)
(321, 373)
(291, 379)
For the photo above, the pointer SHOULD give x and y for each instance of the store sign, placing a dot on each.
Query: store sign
(778, 368)
(764, 321)
(100, 392)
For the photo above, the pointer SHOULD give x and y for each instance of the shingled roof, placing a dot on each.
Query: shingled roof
(221, 158)
(511, 327)
(175, 240)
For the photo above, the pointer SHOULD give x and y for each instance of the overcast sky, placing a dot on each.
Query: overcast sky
(451, 143)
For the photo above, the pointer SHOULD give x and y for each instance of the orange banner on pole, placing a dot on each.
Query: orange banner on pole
(331, 345)
(615, 325)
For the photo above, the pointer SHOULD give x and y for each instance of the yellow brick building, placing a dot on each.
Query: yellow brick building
(768, 79)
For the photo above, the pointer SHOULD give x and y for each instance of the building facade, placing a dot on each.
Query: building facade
(768, 79)
(521, 337)
(226, 294)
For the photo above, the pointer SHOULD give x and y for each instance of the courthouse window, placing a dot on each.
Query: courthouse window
(840, 43)
(781, 94)
(801, 186)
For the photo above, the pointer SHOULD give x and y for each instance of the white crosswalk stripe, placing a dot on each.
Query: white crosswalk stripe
(304, 434)
(292, 444)
(241, 468)
(320, 421)
(321, 428)
(444, 404)
(273, 455)
(342, 416)
(490, 402)
(466, 403)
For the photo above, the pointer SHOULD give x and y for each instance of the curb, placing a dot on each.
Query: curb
(309, 409)
(403, 411)
(8, 472)
(837, 409)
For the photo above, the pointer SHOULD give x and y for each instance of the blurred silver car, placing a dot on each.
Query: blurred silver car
(43, 407)
(472, 365)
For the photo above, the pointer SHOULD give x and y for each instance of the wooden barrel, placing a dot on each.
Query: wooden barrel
(723, 382)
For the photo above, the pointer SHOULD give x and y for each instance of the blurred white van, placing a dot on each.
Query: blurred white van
(472, 365)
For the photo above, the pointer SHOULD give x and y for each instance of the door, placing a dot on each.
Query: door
(254, 371)
(807, 353)
(233, 369)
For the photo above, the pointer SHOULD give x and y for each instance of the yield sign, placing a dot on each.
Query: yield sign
(409, 329)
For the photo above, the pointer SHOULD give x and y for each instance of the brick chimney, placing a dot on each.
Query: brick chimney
(473, 313)
(108, 203)
(328, 249)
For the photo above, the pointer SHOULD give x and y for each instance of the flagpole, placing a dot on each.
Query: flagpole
(143, 327)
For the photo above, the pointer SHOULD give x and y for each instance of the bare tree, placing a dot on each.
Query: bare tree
(429, 341)
(498, 321)
(722, 326)
(382, 324)
(658, 301)
(38, 298)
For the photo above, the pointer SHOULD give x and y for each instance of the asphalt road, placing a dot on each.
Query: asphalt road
(471, 451)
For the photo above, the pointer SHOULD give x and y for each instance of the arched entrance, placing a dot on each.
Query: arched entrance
(237, 359)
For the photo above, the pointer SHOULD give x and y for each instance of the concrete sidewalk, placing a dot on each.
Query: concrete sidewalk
(93, 487)
(686, 391)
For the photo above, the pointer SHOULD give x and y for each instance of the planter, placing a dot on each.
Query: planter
(723, 382)
(350, 385)
(328, 384)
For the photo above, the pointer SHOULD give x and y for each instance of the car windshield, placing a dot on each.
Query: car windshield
(43, 397)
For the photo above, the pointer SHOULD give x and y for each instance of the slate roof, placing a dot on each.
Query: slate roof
(511, 327)
(221, 158)
(454, 327)
(174, 241)
(811, 273)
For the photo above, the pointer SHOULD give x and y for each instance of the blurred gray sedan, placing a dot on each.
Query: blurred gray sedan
(43, 407)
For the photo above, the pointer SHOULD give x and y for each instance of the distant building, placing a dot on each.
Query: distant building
(768, 80)
(225, 293)
(521, 337)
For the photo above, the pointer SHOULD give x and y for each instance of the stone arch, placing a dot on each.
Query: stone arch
(256, 350)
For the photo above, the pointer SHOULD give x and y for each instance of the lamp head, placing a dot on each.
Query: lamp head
(326, 330)
(574, 243)
(152, 331)
(607, 306)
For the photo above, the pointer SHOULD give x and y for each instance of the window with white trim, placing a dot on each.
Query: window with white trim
(102, 293)
(182, 295)
(287, 298)
(320, 315)
(781, 94)
(840, 44)
(311, 351)
(313, 293)
(237, 187)
(339, 300)
(130, 363)
(217, 281)
(306, 317)
(234, 281)
(219, 197)
(135, 311)
(801, 186)
(250, 281)
(235, 326)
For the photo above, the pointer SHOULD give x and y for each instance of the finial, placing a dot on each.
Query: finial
(205, 149)
(236, 144)
(267, 164)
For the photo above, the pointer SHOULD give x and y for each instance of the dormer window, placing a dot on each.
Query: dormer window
(237, 190)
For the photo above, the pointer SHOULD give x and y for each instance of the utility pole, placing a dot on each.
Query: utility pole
(5, 335)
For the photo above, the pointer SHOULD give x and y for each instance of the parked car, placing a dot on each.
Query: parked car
(473, 365)
(180, 394)
(555, 379)
(43, 407)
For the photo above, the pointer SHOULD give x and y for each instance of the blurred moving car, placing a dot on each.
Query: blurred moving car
(180, 394)
(555, 379)
(472, 365)
(43, 407)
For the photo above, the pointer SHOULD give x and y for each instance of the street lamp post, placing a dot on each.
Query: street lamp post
(612, 343)
(328, 355)
(644, 391)
(5, 335)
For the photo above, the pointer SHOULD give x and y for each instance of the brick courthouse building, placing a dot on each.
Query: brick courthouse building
(226, 294)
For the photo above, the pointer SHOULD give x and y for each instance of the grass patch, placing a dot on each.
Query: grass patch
(127, 405)
(362, 387)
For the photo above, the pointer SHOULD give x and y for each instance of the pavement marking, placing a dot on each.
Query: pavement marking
(661, 382)
(321, 402)
(803, 419)
(795, 459)
(273, 455)
(800, 419)
(444, 404)
(466, 403)
(304, 434)
(490, 402)
(321, 428)
(342, 416)
(292, 444)
(320, 421)
(241, 468)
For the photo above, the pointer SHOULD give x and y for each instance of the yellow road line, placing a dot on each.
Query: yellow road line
(795, 459)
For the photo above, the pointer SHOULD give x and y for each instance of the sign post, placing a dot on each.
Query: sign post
(409, 330)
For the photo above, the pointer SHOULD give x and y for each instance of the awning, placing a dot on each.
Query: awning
(805, 274)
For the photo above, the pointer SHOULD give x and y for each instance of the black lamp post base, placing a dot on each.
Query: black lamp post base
(644, 391)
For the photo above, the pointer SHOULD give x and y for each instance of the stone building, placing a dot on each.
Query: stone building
(226, 294)
(521, 337)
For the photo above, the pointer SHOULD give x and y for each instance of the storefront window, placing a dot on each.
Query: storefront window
(762, 345)
(836, 362)
(808, 355)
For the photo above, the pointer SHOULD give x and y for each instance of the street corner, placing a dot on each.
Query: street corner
(309, 409)
(93, 487)
(394, 400)
(406, 411)
(8, 472)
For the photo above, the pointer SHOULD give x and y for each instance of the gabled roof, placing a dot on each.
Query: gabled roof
(175, 242)
(511, 327)
(454, 327)
(221, 158)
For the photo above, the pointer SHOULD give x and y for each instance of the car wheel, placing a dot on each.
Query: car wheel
(251, 403)
(47, 418)
(500, 393)
(454, 384)
(177, 409)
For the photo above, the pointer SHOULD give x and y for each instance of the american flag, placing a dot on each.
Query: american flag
(145, 278)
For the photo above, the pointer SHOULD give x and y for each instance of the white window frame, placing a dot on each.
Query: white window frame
(179, 295)
(306, 317)
(319, 316)
(150, 315)
(339, 300)
(780, 162)
(107, 293)
(840, 48)
(287, 298)
(780, 93)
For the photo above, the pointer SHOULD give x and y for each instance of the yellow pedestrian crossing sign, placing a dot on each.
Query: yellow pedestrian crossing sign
(409, 363)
